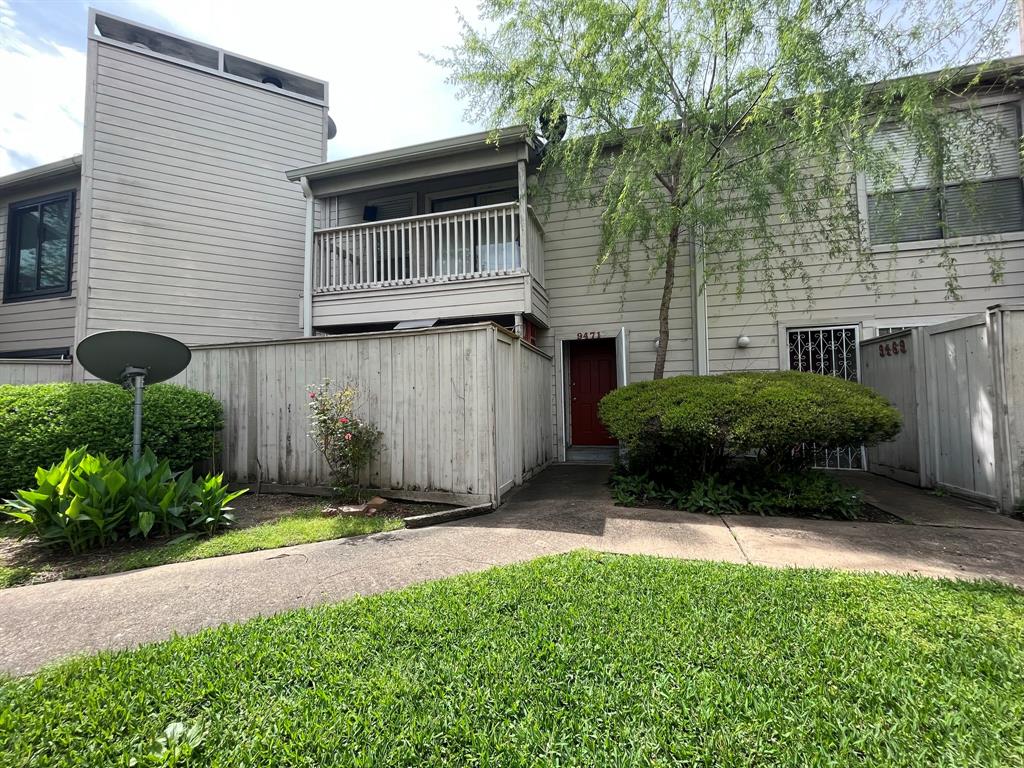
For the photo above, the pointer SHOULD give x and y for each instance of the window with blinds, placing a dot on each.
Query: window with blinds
(979, 189)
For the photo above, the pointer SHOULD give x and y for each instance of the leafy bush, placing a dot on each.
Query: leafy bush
(347, 442)
(40, 422)
(88, 500)
(685, 427)
(744, 490)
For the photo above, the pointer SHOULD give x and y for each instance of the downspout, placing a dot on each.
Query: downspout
(307, 261)
(699, 312)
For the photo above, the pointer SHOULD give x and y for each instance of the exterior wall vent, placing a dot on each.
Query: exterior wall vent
(158, 42)
(272, 76)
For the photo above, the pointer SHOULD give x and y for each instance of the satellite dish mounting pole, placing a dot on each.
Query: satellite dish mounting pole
(133, 359)
(136, 379)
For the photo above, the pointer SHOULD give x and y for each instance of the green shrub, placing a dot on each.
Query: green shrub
(688, 426)
(39, 422)
(744, 489)
(88, 500)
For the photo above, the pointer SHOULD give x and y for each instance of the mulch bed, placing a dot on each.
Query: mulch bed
(867, 514)
(249, 509)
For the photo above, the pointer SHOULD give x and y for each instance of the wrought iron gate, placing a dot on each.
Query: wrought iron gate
(831, 351)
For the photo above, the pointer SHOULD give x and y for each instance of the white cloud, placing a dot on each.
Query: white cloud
(42, 95)
(383, 93)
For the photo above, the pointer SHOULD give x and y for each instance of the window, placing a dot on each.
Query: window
(53, 353)
(979, 192)
(829, 351)
(39, 247)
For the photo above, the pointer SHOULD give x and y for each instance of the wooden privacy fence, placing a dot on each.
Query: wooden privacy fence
(465, 410)
(960, 388)
(13, 371)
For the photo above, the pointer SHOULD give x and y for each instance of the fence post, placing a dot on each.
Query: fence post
(495, 490)
(919, 342)
(1001, 438)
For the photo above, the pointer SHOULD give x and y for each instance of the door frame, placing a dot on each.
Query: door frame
(563, 419)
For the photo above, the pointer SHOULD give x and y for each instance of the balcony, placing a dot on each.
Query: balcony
(434, 248)
(475, 261)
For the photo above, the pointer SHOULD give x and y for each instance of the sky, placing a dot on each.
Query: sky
(383, 94)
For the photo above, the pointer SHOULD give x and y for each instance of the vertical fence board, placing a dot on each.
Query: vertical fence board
(16, 371)
(448, 419)
(961, 393)
(890, 365)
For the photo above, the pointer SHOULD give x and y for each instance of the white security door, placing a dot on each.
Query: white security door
(830, 351)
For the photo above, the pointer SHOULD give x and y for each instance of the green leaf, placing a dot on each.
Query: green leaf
(146, 520)
(115, 481)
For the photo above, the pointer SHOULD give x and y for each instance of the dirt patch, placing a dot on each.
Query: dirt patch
(251, 509)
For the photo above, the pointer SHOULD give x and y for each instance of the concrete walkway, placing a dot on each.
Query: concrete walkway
(566, 508)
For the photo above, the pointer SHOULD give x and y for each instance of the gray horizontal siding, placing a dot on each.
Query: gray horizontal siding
(911, 289)
(478, 297)
(41, 323)
(581, 300)
(195, 231)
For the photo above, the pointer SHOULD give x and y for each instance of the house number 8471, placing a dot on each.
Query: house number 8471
(588, 335)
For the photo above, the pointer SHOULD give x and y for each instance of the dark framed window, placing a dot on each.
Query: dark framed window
(53, 353)
(39, 246)
(977, 191)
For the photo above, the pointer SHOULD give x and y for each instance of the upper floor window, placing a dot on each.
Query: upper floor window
(969, 184)
(39, 247)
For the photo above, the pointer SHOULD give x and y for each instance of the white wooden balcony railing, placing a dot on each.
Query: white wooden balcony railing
(474, 242)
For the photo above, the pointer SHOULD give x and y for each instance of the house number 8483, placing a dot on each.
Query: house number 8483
(889, 349)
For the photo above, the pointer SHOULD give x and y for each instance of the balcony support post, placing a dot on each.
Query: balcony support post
(523, 212)
(307, 261)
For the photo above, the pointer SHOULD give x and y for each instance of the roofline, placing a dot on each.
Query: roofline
(92, 35)
(990, 70)
(441, 148)
(42, 172)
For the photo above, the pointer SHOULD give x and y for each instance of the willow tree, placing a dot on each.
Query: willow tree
(700, 126)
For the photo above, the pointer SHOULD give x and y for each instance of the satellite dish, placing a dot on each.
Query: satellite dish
(553, 122)
(133, 359)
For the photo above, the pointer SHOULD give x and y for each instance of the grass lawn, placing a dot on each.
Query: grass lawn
(578, 660)
(299, 527)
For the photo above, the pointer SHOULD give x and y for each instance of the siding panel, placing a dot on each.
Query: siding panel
(192, 217)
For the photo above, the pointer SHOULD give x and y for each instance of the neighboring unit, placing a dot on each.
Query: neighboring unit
(177, 218)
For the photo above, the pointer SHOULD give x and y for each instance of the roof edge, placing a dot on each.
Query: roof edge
(439, 148)
(42, 172)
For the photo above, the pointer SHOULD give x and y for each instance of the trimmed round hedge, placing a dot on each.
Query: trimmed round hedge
(39, 421)
(698, 424)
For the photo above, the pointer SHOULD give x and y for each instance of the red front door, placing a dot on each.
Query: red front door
(591, 377)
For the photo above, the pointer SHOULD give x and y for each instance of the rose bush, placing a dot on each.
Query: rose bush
(347, 443)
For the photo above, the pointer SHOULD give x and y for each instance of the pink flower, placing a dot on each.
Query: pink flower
(312, 395)
(348, 435)
(343, 420)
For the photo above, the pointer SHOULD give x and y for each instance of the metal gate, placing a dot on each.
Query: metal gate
(830, 350)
